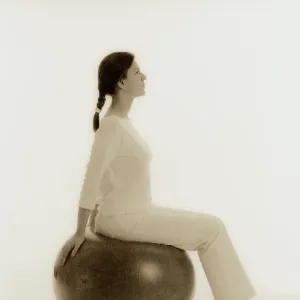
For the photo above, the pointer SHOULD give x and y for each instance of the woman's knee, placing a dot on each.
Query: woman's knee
(218, 220)
(215, 225)
(210, 226)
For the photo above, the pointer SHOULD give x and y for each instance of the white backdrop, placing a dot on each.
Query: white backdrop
(220, 114)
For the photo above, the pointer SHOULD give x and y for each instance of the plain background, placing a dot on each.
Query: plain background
(221, 114)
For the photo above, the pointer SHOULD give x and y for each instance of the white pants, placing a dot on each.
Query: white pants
(191, 231)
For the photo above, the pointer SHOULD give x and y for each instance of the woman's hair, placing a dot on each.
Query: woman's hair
(112, 69)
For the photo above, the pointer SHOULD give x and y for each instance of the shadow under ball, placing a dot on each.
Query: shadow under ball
(111, 269)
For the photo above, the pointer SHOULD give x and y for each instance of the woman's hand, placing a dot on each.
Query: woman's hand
(73, 244)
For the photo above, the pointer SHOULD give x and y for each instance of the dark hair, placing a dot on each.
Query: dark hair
(112, 69)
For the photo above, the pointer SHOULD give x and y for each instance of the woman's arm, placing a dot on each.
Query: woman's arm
(108, 140)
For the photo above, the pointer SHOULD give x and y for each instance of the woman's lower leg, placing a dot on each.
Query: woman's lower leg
(224, 271)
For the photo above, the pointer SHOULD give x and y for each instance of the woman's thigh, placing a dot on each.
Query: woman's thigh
(180, 228)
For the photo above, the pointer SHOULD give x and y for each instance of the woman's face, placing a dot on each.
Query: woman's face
(134, 83)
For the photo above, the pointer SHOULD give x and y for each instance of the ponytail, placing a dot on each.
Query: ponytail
(100, 104)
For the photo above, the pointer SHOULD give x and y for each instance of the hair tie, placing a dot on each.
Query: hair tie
(97, 110)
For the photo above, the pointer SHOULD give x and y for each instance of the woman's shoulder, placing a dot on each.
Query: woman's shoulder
(111, 119)
(110, 124)
(114, 120)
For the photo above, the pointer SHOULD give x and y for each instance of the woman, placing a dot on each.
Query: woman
(117, 186)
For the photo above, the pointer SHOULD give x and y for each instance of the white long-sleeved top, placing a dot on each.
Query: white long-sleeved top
(118, 172)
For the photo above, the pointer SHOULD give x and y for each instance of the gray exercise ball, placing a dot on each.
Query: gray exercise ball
(111, 269)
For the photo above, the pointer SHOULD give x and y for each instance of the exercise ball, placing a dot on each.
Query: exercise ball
(111, 269)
